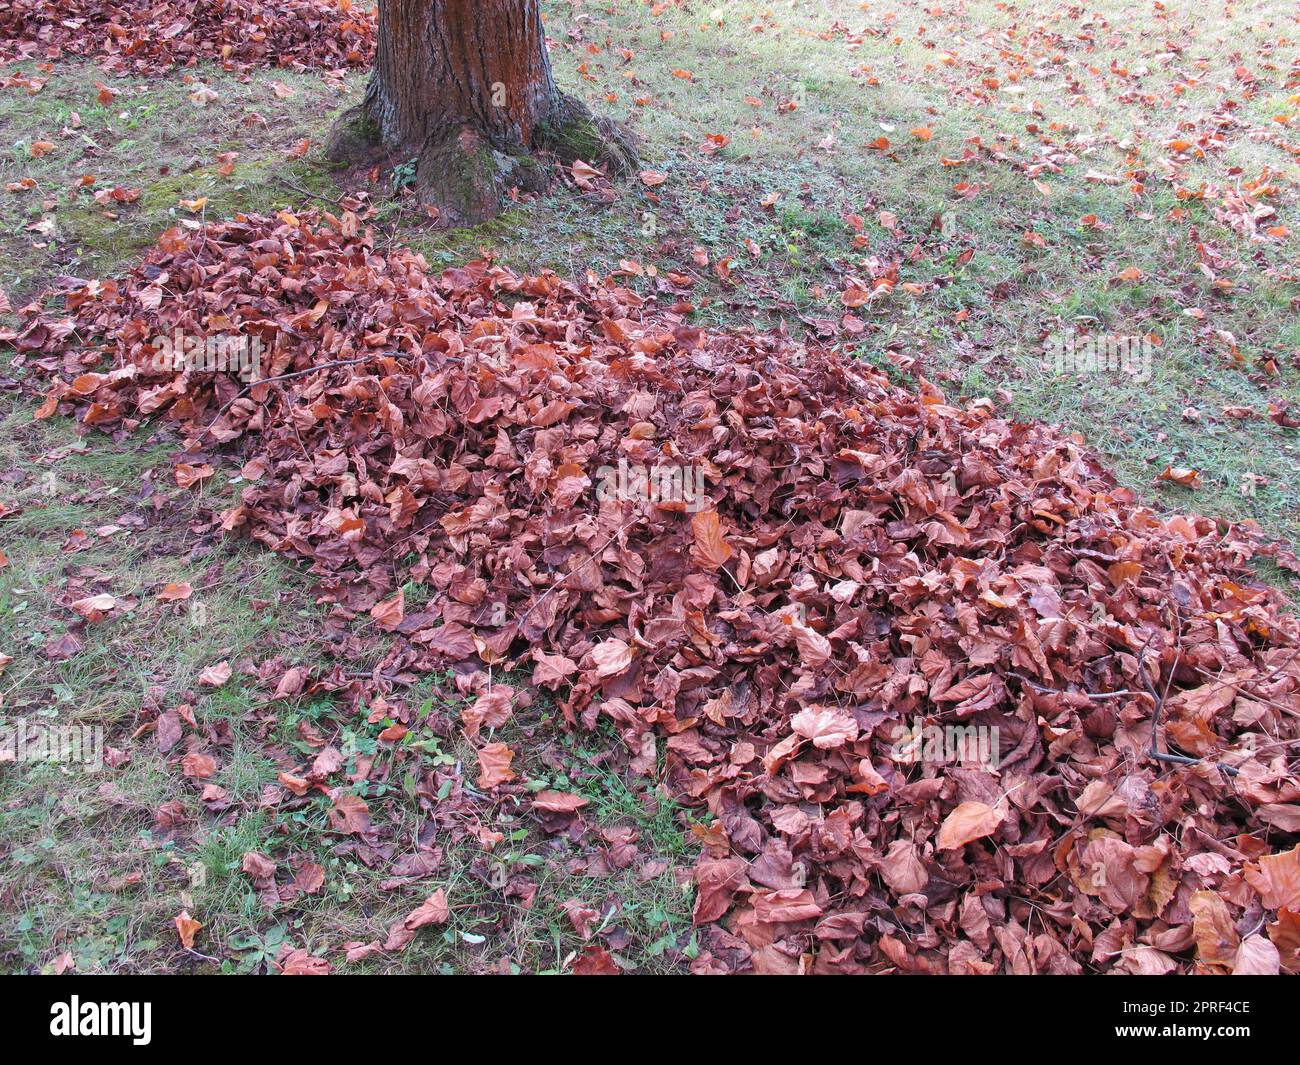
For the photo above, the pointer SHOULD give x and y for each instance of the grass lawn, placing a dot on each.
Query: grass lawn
(979, 178)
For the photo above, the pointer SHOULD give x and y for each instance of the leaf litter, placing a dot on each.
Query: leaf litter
(147, 36)
(866, 569)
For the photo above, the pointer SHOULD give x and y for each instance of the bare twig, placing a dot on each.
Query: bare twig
(1241, 689)
(303, 373)
(281, 377)
(1098, 696)
(364, 675)
(310, 195)
(1155, 752)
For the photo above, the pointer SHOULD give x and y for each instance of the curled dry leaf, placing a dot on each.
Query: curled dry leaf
(187, 475)
(584, 174)
(258, 866)
(291, 684)
(309, 878)
(1216, 935)
(552, 670)
(215, 676)
(1256, 957)
(828, 727)
(1182, 475)
(1277, 879)
(492, 709)
(710, 548)
(96, 607)
(350, 814)
(186, 928)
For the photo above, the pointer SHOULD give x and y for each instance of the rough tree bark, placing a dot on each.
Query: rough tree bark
(464, 88)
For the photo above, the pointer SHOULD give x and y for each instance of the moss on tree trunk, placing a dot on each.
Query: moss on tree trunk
(465, 89)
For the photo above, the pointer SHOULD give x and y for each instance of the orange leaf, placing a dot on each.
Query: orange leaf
(186, 927)
(1277, 879)
(198, 766)
(558, 802)
(1183, 475)
(970, 821)
(187, 476)
(434, 910)
(96, 607)
(391, 612)
(1212, 924)
(350, 814)
(494, 765)
(595, 961)
(710, 549)
(215, 676)
(612, 657)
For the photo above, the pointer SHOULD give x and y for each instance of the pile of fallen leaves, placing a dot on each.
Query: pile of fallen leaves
(865, 563)
(139, 36)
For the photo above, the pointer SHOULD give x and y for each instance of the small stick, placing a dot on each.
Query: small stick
(1087, 695)
(1155, 752)
(279, 377)
(362, 675)
(310, 195)
(303, 373)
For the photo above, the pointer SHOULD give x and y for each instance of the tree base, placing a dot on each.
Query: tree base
(354, 138)
(572, 131)
(468, 178)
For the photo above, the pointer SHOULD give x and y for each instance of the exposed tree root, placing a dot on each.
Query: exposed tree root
(467, 176)
(572, 132)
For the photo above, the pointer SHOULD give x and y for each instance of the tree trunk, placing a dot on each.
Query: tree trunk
(464, 88)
